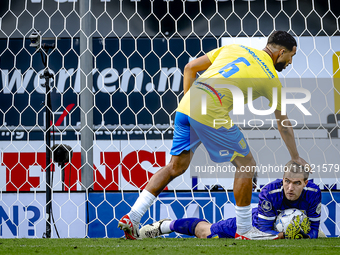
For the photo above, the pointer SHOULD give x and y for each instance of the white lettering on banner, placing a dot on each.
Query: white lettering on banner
(37, 171)
(63, 76)
(165, 74)
(137, 73)
(16, 135)
(20, 81)
(76, 85)
(17, 82)
(25, 170)
(107, 76)
(102, 170)
(3, 180)
(25, 218)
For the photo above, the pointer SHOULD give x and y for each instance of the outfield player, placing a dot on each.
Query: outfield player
(244, 68)
(293, 191)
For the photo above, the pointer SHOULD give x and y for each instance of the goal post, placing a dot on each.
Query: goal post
(117, 80)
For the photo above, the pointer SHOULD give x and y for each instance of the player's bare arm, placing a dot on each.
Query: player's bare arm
(191, 69)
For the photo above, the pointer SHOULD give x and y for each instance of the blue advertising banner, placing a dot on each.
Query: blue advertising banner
(136, 85)
(102, 212)
(106, 209)
(23, 215)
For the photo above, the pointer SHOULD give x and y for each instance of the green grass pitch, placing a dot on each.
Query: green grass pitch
(165, 246)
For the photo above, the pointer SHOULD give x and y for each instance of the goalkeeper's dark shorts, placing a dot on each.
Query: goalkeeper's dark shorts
(223, 229)
(227, 228)
(222, 144)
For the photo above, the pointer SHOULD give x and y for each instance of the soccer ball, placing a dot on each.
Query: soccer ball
(284, 218)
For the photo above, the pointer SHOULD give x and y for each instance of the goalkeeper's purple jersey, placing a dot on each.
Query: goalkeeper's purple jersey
(272, 201)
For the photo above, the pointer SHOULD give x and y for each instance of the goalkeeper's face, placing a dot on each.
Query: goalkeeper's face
(293, 184)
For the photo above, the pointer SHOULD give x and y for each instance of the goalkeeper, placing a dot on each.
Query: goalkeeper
(293, 191)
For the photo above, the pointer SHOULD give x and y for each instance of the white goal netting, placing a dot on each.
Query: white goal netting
(116, 80)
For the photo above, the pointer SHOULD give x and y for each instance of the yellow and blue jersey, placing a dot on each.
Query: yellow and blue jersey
(236, 65)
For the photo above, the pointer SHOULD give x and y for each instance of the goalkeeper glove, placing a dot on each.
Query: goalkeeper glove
(305, 225)
(294, 230)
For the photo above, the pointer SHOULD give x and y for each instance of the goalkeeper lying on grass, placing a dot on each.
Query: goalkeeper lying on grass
(293, 191)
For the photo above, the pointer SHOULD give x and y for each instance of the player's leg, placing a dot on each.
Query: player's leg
(221, 229)
(176, 167)
(225, 145)
(192, 227)
(184, 141)
(129, 222)
(187, 226)
(202, 229)
(242, 191)
(243, 185)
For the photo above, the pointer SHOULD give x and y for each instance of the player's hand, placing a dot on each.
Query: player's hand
(302, 162)
(294, 230)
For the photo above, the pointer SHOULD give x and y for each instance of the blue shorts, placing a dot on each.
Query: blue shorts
(223, 229)
(222, 144)
(227, 228)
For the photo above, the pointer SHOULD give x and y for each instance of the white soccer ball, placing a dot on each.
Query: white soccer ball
(284, 218)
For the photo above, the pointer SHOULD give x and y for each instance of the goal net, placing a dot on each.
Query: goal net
(116, 80)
